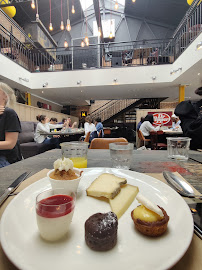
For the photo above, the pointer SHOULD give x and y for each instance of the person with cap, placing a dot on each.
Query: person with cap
(175, 123)
(190, 114)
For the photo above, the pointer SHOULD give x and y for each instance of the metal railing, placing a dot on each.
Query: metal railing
(112, 108)
(112, 54)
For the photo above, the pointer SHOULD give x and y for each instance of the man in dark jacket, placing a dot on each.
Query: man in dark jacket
(190, 114)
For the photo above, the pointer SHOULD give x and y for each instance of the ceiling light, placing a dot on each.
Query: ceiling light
(33, 4)
(82, 44)
(73, 10)
(153, 78)
(116, 5)
(133, 1)
(199, 74)
(110, 35)
(78, 82)
(66, 44)
(68, 25)
(51, 27)
(115, 80)
(99, 32)
(199, 45)
(62, 26)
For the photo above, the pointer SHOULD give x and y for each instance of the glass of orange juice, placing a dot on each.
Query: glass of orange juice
(77, 152)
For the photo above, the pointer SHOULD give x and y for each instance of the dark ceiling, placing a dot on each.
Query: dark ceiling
(164, 12)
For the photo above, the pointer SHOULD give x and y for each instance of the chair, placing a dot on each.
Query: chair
(142, 138)
(155, 145)
(103, 143)
(87, 137)
(107, 132)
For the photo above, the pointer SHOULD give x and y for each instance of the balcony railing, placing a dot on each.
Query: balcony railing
(105, 55)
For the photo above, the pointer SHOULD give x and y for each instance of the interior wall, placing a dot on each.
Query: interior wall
(29, 113)
(55, 107)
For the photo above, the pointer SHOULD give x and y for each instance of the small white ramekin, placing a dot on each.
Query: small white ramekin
(68, 185)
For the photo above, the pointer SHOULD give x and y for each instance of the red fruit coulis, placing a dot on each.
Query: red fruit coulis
(55, 206)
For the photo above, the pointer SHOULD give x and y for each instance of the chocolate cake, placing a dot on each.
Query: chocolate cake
(101, 231)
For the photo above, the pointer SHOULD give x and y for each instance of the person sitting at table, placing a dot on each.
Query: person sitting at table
(9, 128)
(190, 114)
(99, 127)
(140, 123)
(175, 123)
(70, 125)
(44, 126)
(88, 125)
(53, 120)
(147, 126)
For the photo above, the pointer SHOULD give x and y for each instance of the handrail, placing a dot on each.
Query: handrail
(113, 108)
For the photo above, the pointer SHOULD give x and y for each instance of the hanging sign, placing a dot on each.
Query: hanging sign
(162, 118)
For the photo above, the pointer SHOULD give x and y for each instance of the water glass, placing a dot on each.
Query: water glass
(178, 148)
(121, 154)
(77, 152)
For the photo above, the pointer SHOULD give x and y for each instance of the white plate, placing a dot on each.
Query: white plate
(24, 247)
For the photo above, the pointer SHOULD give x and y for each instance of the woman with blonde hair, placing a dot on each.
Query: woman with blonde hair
(9, 128)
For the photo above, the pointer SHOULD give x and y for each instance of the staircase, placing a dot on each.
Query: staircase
(111, 108)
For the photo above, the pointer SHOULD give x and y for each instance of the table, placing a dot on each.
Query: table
(144, 161)
(172, 132)
(66, 133)
(151, 162)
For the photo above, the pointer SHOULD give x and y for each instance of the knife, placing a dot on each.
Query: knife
(180, 185)
(13, 186)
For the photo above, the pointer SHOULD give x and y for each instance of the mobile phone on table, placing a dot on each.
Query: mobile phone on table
(196, 210)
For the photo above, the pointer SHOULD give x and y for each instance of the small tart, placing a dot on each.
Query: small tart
(155, 228)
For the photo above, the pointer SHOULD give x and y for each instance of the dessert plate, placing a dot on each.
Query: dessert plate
(22, 244)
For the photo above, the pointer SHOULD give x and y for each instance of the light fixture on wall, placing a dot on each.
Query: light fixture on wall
(62, 23)
(68, 27)
(24, 79)
(116, 6)
(174, 71)
(45, 84)
(199, 45)
(50, 25)
(33, 4)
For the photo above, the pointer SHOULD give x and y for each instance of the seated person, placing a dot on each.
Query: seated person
(99, 126)
(88, 125)
(175, 123)
(9, 128)
(147, 126)
(70, 125)
(140, 123)
(190, 114)
(44, 127)
(53, 120)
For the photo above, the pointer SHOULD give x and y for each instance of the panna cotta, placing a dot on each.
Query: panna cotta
(54, 215)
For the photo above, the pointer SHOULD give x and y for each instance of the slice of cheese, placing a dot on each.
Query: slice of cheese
(106, 185)
(123, 200)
